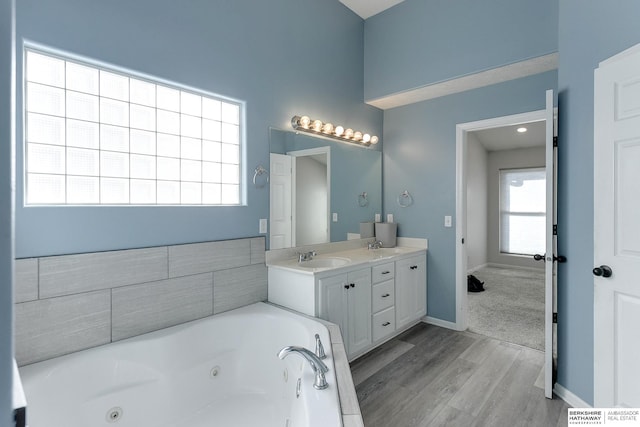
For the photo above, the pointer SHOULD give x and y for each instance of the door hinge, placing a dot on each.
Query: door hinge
(555, 141)
(555, 317)
(555, 229)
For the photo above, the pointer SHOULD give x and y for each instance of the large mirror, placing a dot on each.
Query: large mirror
(320, 189)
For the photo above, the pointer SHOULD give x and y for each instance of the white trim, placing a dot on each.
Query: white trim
(631, 51)
(505, 73)
(442, 323)
(461, 199)
(573, 400)
(306, 153)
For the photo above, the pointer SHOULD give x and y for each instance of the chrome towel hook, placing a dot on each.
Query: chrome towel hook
(259, 172)
(404, 199)
(363, 200)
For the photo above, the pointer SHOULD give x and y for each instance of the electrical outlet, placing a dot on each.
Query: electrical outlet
(335, 217)
(263, 226)
(447, 221)
(389, 217)
(378, 218)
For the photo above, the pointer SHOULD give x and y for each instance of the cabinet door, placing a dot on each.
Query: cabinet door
(411, 289)
(359, 310)
(333, 301)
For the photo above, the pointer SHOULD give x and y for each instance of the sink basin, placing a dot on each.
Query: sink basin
(331, 262)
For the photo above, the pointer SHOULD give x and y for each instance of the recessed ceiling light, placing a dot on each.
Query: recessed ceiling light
(521, 130)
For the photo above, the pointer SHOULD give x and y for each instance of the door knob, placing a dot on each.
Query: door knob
(559, 258)
(603, 270)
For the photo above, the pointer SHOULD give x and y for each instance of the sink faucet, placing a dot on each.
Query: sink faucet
(317, 365)
(306, 256)
(377, 244)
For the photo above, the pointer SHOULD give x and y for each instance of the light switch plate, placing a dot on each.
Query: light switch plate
(447, 221)
(335, 217)
(263, 225)
(378, 218)
(389, 217)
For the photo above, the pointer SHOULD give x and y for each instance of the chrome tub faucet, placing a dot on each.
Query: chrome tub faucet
(317, 365)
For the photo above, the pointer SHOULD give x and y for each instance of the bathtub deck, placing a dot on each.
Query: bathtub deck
(431, 376)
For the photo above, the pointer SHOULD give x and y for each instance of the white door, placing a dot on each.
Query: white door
(280, 201)
(617, 231)
(550, 239)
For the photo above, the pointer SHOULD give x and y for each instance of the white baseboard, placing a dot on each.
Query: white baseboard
(573, 400)
(442, 323)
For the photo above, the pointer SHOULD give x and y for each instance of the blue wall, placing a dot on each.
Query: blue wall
(6, 209)
(420, 42)
(282, 57)
(420, 156)
(590, 31)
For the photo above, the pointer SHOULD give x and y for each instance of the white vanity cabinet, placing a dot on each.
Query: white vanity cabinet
(345, 299)
(372, 298)
(383, 319)
(411, 289)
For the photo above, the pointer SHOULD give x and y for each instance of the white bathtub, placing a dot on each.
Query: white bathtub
(219, 371)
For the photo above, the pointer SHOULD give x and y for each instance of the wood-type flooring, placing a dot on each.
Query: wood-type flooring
(432, 376)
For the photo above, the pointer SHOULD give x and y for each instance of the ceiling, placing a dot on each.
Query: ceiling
(506, 138)
(367, 8)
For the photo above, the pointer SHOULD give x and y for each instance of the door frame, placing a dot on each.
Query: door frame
(308, 153)
(462, 129)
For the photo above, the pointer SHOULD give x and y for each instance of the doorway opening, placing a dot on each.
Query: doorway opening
(505, 223)
(463, 134)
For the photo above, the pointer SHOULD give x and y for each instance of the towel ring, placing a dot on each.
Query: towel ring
(404, 199)
(259, 172)
(363, 200)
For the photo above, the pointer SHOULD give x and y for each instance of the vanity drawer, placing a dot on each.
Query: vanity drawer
(382, 272)
(384, 323)
(382, 296)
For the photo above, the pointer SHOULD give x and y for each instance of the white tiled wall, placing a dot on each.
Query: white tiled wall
(72, 302)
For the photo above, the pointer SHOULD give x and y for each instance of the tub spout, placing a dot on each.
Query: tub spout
(317, 365)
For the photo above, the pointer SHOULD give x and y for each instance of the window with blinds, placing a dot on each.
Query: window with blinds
(522, 211)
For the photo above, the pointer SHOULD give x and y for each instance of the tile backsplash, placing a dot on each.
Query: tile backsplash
(69, 303)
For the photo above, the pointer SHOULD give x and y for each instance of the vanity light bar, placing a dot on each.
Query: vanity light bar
(317, 127)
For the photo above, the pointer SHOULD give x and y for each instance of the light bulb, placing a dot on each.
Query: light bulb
(348, 133)
(327, 128)
(304, 122)
(339, 130)
(521, 130)
(374, 139)
(317, 125)
(357, 136)
(366, 138)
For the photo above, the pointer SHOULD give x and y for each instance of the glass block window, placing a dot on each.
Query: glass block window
(96, 136)
(523, 211)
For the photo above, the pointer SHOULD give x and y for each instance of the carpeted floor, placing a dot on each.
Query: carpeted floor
(511, 308)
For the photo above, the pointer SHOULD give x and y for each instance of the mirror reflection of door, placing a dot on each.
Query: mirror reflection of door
(310, 191)
(300, 193)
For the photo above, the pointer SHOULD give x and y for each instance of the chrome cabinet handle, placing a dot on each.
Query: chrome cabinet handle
(386, 323)
(385, 272)
(385, 295)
